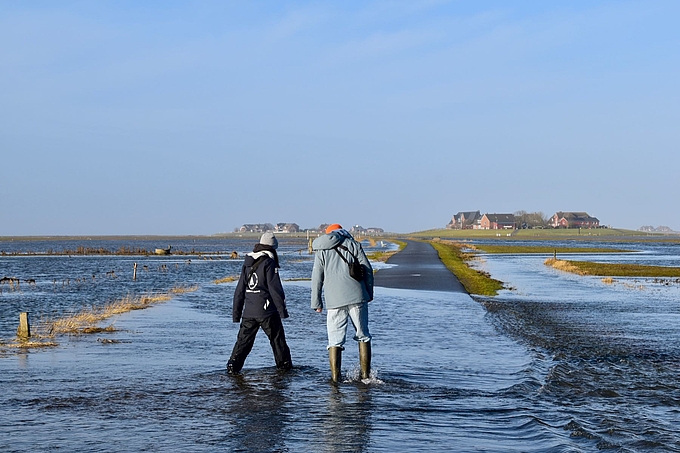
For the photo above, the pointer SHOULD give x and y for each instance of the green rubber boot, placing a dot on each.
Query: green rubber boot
(365, 359)
(335, 358)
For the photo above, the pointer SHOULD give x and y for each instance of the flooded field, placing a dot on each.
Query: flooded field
(557, 363)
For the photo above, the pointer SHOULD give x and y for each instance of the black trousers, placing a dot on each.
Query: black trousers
(273, 327)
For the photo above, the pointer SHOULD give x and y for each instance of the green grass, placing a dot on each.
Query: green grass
(544, 249)
(474, 281)
(613, 269)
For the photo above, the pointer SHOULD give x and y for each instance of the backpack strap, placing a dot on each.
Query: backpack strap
(254, 267)
(340, 246)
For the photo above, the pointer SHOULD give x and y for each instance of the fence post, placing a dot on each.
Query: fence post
(24, 330)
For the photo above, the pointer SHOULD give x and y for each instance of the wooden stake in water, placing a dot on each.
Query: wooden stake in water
(24, 330)
(134, 273)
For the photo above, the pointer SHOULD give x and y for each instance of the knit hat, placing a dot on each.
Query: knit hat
(335, 226)
(270, 240)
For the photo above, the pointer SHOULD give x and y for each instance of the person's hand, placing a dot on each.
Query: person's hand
(318, 310)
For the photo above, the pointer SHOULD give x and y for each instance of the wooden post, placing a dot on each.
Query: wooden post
(134, 273)
(24, 330)
(310, 245)
(555, 254)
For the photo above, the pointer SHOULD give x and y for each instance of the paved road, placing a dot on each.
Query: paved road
(418, 267)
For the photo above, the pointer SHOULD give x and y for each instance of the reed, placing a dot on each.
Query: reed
(87, 320)
(229, 279)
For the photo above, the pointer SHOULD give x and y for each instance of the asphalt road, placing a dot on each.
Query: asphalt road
(418, 267)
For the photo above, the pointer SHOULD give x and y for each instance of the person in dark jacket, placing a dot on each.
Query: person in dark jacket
(259, 301)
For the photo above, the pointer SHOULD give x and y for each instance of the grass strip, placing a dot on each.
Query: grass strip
(382, 256)
(538, 249)
(612, 269)
(474, 281)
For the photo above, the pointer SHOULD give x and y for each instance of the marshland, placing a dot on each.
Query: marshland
(548, 361)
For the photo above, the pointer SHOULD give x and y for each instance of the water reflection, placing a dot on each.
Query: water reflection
(259, 411)
(347, 425)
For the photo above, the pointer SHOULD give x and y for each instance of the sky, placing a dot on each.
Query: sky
(195, 117)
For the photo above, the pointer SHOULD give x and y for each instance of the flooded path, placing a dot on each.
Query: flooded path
(557, 364)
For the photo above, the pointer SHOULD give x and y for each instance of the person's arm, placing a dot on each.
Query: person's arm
(317, 281)
(239, 297)
(275, 288)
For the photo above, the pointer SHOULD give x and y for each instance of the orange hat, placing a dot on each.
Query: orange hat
(335, 226)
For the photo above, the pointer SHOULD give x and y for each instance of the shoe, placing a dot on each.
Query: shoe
(231, 367)
(285, 366)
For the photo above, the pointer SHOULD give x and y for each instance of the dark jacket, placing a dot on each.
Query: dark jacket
(262, 296)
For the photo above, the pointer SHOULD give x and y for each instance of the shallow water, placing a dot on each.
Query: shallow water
(559, 363)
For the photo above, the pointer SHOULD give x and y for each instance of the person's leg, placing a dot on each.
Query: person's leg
(359, 316)
(244, 344)
(336, 324)
(273, 327)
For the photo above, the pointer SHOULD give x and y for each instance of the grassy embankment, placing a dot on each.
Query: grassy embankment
(586, 267)
(612, 269)
(456, 260)
(87, 321)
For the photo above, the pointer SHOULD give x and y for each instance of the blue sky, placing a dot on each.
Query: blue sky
(178, 117)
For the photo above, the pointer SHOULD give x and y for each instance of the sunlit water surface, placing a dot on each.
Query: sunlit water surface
(557, 363)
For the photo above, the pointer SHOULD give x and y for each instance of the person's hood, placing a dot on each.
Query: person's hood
(330, 240)
(256, 255)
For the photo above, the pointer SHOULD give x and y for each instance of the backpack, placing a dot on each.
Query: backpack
(356, 270)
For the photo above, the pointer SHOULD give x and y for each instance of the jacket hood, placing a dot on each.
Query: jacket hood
(330, 240)
(256, 255)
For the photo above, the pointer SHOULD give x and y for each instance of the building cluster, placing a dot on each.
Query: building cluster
(474, 220)
(295, 228)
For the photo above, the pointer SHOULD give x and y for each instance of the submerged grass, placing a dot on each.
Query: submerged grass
(228, 279)
(612, 269)
(456, 260)
(86, 321)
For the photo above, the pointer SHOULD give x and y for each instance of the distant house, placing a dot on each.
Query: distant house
(497, 222)
(256, 228)
(465, 221)
(287, 228)
(573, 220)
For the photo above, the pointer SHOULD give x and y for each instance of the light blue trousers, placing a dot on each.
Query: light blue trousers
(336, 323)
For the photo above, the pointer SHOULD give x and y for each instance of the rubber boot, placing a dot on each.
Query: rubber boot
(365, 359)
(335, 358)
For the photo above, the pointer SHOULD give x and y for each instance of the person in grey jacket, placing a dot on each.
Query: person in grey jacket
(345, 297)
(259, 301)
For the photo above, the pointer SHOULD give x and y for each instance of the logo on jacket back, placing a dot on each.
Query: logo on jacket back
(252, 283)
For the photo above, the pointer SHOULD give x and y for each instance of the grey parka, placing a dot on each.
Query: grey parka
(331, 272)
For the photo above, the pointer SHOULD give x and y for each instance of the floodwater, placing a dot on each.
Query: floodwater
(558, 363)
